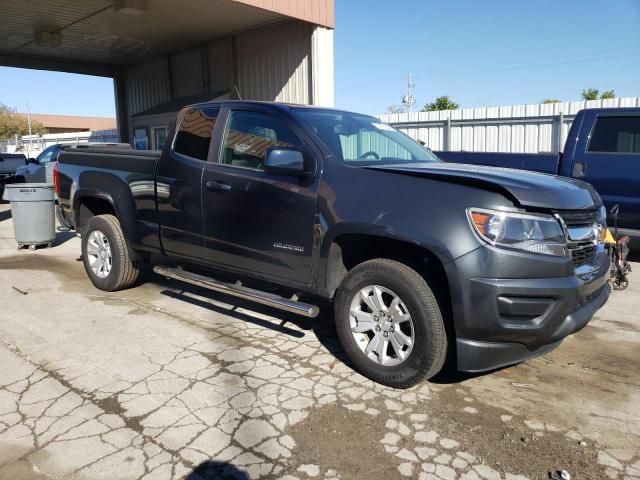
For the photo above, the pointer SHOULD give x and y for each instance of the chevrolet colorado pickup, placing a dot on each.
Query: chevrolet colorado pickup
(602, 148)
(422, 260)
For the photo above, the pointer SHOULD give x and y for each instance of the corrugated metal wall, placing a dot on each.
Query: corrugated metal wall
(273, 63)
(219, 55)
(187, 75)
(515, 128)
(355, 146)
(147, 85)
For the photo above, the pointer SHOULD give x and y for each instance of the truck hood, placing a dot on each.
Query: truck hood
(526, 189)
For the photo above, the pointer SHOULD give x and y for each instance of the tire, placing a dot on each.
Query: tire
(426, 356)
(121, 272)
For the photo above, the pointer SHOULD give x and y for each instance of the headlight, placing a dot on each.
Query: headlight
(602, 216)
(602, 224)
(520, 231)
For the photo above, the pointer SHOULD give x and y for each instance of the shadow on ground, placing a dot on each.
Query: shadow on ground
(5, 214)
(322, 326)
(211, 470)
(63, 237)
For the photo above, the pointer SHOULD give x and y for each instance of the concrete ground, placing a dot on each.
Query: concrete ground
(160, 382)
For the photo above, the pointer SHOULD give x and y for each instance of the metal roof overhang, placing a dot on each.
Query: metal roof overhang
(97, 36)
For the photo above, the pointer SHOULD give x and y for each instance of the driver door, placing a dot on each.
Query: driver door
(43, 171)
(256, 222)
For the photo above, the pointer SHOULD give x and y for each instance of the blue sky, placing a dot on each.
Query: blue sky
(489, 52)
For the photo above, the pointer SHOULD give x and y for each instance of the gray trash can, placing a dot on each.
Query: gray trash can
(33, 212)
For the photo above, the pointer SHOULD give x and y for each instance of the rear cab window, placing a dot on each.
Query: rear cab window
(616, 134)
(194, 132)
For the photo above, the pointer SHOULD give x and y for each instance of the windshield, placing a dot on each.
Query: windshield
(361, 140)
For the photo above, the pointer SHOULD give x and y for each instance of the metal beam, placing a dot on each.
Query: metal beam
(57, 65)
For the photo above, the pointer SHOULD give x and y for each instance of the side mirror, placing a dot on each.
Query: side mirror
(284, 162)
(32, 161)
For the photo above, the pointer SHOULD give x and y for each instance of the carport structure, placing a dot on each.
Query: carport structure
(163, 54)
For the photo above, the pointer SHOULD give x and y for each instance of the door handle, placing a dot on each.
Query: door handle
(579, 169)
(218, 186)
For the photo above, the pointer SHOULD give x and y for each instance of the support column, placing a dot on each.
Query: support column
(122, 114)
(322, 80)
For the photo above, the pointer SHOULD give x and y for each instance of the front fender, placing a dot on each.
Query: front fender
(433, 244)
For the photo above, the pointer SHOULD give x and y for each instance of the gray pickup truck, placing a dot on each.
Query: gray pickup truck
(9, 163)
(422, 260)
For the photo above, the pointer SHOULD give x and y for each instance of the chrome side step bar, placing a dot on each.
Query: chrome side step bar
(289, 305)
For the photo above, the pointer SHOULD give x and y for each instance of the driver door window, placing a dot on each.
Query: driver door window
(45, 157)
(250, 134)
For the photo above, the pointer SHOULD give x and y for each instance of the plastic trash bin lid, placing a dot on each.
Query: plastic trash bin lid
(29, 192)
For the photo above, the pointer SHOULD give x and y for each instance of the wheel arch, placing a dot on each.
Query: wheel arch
(88, 203)
(348, 249)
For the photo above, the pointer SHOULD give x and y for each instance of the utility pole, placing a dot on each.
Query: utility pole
(29, 124)
(409, 100)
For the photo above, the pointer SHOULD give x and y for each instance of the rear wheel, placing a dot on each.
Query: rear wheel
(105, 255)
(389, 323)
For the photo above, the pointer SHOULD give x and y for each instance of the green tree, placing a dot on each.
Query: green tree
(551, 100)
(441, 103)
(12, 124)
(590, 94)
(396, 109)
(608, 94)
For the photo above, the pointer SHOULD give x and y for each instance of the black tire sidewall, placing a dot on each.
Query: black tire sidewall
(423, 316)
(110, 282)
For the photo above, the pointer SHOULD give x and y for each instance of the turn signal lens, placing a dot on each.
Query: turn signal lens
(480, 221)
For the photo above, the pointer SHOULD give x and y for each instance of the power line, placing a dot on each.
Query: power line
(526, 62)
(527, 67)
(494, 68)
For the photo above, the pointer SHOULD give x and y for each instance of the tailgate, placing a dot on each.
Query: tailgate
(8, 166)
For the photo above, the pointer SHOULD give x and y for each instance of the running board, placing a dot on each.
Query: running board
(237, 290)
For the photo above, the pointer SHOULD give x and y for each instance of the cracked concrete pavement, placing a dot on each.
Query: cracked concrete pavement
(163, 382)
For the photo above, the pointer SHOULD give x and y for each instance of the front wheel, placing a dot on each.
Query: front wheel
(389, 323)
(105, 255)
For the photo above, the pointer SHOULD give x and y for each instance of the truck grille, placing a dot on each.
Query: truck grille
(582, 254)
(579, 217)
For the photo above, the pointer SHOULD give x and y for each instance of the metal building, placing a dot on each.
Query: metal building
(163, 54)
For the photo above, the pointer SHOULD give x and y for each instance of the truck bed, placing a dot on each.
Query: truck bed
(536, 162)
(123, 178)
(112, 159)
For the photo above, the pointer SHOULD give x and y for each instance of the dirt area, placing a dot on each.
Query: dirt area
(164, 382)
